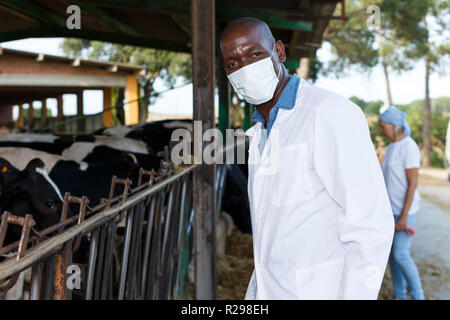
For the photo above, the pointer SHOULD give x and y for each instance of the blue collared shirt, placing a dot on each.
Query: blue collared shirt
(286, 101)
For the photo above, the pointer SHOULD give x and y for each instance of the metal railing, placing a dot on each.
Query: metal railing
(137, 243)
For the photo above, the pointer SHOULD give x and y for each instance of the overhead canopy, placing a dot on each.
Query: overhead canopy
(164, 24)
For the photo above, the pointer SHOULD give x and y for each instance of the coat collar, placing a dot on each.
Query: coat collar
(286, 100)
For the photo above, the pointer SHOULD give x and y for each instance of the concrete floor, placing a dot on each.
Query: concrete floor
(431, 244)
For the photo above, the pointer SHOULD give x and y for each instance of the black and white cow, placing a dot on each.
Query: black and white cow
(78, 178)
(155, 134)
(29, 191)
(83, 148)
(158, 134)
(44, 142)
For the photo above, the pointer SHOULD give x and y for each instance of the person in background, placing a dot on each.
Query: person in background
(401, 170)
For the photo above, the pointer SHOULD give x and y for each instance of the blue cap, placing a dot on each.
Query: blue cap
(397, 117)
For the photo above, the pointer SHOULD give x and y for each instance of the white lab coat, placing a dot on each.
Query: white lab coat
(321, 218)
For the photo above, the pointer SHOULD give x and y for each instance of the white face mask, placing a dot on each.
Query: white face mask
(256, 82)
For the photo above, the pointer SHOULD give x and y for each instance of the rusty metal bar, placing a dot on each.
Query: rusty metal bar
(147, 271)
(60, 276)
(166, 241)
(155, 253)
(99, 262)
(50, 246)
(108, 260)
(27, 223)
(126, 251)
(91, 264)
(171, 250)
(49, 265)
(181, 231)
(156, 177)
(36, 281)
(146, 252)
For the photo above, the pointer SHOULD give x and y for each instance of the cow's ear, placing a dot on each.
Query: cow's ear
(35, 163)
(129, 159)
(30, 169)
(6, 167)
(8, 177)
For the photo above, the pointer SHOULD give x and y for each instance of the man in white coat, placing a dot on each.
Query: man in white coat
(322, 223)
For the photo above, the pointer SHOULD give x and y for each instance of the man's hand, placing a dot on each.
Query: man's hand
(402, 223)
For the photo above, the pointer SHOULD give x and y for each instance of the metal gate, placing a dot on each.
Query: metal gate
(138, 243)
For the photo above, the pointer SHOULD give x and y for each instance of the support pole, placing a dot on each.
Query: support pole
(60, 115)
(224, 98)
(81, 124)
(44, 113)
(80, 103)
(107, 111)
(30, 116)
(203, 76)
(20, 119)
(247, 115)
(131, 98)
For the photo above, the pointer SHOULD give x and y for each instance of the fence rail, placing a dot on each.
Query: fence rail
(138, 243)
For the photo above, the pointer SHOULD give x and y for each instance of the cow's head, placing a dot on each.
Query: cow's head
(31, 191)
(129, 163)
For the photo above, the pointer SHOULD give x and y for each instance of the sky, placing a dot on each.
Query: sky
(407, 87)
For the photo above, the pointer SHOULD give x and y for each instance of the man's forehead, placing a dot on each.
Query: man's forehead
(242, 38)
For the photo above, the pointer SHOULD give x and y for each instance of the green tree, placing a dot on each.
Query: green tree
(165, 65)
(435, 53)
(390, 44)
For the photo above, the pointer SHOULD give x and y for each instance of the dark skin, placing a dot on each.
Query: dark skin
(246, 43)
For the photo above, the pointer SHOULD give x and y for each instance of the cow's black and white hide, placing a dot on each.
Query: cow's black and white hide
(79, 178)
(43, 142)
(155, 134)
(29, 191)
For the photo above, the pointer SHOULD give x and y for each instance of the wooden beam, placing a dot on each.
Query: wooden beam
(107, 111)
(274, 18)
(20, 121)
(94, 35)
(44, 110)
(81, 124)
(203, 76)
(247, 115)
(183, 21)
(80, 103)
(285, 19)
(30, 115)
(131, 98)
(105, 18)
(60, 114)
(58, 81)
(35, 11)
(17, 14)
(224, 90)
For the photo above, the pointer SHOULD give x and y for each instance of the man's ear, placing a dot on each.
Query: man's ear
(30, 169)
(281, 51)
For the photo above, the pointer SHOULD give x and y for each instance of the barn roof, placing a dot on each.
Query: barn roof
(164, 24)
